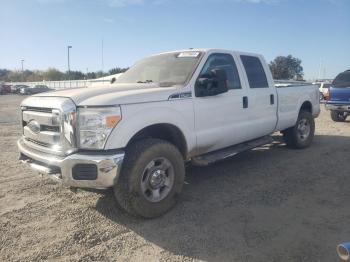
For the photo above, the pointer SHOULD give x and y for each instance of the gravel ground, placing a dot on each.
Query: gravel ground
(268, 204)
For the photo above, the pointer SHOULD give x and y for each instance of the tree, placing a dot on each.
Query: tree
(75, 75)
(3, 74)
(90, 75)
(117, 70)
(286, 67)
(100, 74)
(14, 76)
(52, 74)
(33, 76)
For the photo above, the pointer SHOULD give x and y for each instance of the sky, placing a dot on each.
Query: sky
(39, 31)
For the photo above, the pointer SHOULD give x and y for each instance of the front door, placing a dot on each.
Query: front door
(221, 120)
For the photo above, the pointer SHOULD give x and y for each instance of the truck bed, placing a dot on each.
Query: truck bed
(290, 99)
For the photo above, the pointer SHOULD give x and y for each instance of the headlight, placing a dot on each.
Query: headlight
(95, 125)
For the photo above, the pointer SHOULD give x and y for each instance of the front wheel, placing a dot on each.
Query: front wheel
(152, 177)
(301, 135)
(338, 116)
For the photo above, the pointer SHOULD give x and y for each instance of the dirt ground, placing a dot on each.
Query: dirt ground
(269, 204)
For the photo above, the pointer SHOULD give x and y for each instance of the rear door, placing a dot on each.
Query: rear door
(261, 96)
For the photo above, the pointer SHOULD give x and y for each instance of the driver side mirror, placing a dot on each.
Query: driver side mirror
(211, 84)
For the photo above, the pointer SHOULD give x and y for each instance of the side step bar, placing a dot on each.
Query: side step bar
(212, 157)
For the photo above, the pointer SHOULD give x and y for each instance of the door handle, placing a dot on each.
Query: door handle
(272, 99)
(245, 102)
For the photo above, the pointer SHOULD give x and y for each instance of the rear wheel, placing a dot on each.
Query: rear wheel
(338, 116)
(301, 135)
(321, 96)
(152, 176)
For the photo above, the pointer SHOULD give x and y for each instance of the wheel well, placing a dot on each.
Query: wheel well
(166, 132)
(306, 106)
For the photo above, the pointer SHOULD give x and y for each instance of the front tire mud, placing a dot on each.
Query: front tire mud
(152, 177)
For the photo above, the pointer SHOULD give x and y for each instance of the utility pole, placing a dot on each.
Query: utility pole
(69, 47)
(102, 62)
(22, 60)
(319, 70)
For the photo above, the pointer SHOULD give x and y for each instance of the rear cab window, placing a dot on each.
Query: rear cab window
(255, 72)
(342, 80)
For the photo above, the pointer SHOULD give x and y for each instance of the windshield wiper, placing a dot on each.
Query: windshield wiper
(145, 82)
(161, 84)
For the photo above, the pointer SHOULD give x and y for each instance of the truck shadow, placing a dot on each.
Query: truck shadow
(244, 208)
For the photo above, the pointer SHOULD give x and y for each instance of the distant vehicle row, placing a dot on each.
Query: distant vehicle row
(34, 90)
(23, 89)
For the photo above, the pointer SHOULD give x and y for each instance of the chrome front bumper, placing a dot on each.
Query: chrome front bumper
(342, 108)
(108, 166)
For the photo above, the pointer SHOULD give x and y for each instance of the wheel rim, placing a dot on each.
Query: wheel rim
(321, 96)
(157, 179)
(304, 129)
(341, 115)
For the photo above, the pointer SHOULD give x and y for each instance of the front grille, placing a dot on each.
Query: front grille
(41, 126)
(51, 126)
(39, 109)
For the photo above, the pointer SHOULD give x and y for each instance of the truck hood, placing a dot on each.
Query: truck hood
(114, 94)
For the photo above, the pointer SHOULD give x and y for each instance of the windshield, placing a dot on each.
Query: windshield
(342, 80)
(166, 69)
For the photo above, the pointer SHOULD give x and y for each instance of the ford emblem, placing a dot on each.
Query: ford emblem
(34, 126)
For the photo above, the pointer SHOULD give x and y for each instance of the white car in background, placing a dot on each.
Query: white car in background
(324, 90)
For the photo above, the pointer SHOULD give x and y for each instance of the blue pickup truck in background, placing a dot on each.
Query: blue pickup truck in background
(339, 97)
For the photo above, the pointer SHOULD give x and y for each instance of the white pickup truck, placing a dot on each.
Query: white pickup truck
(198, 105)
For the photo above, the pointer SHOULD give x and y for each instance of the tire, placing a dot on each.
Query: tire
(151, 178)
(338, 116)
(302, 134)
(321, 96)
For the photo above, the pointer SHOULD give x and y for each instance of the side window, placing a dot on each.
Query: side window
(255, 72)
(225, 62)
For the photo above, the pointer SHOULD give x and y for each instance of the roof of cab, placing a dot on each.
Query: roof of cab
(209, 50)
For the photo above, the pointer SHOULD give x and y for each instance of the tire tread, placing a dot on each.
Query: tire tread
(124, 196)
(290, 134)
